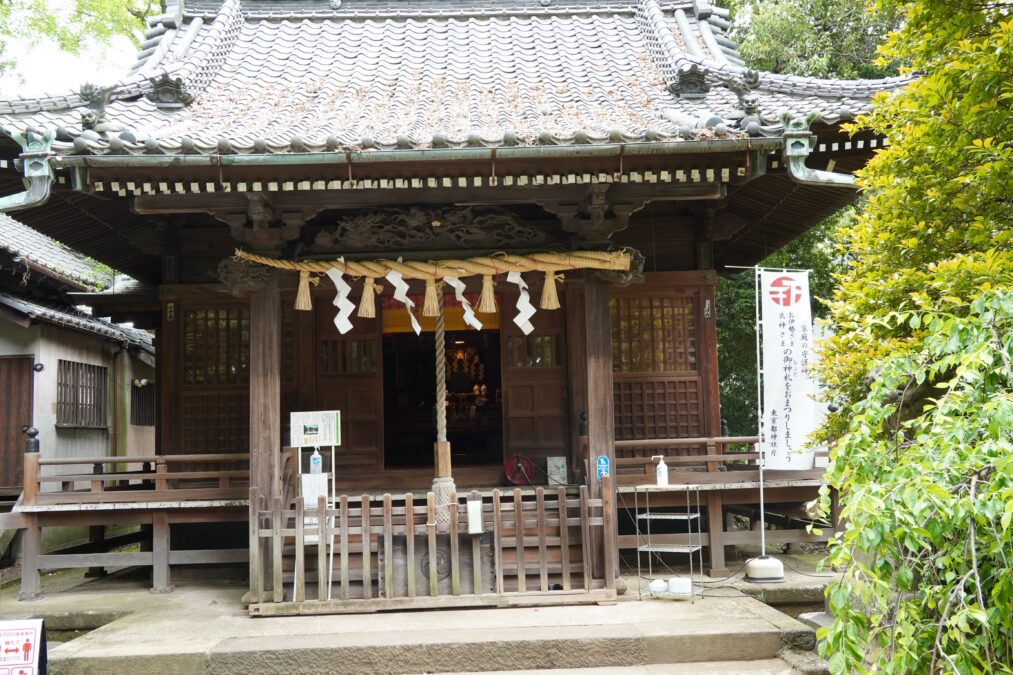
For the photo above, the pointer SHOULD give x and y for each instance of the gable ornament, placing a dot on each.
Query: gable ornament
(691, 83)
(168, 93)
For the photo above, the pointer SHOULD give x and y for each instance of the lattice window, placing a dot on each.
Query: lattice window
(348, 357)
(216, 346)
(658, 408)
(142, 405)
(532, 351)
(82, 395)
(216, 422)
(653, 335)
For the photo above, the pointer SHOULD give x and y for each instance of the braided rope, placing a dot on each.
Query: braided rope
(441, 375)
(485, 265)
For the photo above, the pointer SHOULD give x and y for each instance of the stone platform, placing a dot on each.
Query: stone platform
(201, 627)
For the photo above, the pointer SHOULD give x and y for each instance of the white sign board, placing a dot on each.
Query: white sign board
(22, 645)
(789, 408)
(315, 429)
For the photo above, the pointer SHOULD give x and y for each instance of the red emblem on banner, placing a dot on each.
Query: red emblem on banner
(785, 291)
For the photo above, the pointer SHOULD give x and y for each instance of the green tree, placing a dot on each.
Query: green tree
(920, 361)
(70, 25)
(817, 38)
(736, 301)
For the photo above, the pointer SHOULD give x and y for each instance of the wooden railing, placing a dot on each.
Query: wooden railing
(720, 459)
(167, 478)
(689, 460)
(389, 552)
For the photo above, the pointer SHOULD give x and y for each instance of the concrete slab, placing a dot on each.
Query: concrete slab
(202, 628)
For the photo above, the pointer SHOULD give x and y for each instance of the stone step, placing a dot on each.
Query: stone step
(760, 667)
(189, 637)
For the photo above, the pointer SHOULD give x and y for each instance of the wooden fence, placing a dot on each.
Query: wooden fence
(399, 552)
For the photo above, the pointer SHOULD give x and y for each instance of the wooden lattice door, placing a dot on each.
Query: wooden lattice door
(349, 378)
(663, 342)
(535, 404)
(214, 380)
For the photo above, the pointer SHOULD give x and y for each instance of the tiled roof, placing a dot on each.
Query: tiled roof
(273, 76)
(75, 319)
(49, 255)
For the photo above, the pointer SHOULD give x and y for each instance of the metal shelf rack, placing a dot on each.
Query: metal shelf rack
(692, 518)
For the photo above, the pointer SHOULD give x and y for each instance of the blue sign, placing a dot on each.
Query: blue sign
(603, 466)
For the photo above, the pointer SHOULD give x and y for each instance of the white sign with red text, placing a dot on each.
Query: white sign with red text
(789, 407)
(21, 643)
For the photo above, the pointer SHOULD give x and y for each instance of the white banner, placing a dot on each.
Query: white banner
(789, 409)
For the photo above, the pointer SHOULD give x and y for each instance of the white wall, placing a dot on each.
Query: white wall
(17, 340)
(55, 344)
(133, 439)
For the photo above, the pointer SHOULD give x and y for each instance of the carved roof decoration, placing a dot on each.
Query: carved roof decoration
(426, 229)
(292, 76)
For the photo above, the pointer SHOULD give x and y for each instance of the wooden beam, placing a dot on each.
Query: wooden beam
(236, 202)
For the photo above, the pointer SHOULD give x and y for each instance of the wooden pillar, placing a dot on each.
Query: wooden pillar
(576, 375)
(716, 534)
(600, 409)
(31, 549)
(265, 405)
(707, 353)
(160, 579)
(168, 378)
(31, 538)
(265, 389)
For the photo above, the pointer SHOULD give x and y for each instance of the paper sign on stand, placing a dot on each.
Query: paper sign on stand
(23, 647)
(315, 429)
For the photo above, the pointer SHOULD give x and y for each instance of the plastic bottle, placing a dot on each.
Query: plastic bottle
(662, 470)
(316, 462)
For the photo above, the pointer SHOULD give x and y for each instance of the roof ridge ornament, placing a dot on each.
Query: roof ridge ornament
(691, 82)
(168, 92)
(96, 98)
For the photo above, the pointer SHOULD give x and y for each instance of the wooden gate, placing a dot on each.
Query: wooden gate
(16, 382)
(392, 552)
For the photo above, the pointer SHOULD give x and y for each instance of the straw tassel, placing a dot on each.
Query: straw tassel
(487, 302)
(550, 298)
(303, 300)
(431, 307)
(367, 304)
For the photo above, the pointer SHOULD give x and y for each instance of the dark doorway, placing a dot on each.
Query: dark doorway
(474, 398)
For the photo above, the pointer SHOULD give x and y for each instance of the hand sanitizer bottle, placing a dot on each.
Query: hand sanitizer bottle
(662, 470)
(316, 461)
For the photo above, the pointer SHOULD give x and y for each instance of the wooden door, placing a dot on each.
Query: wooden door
(664, 358)
(535, 397)
(16, 384)
(349, 378)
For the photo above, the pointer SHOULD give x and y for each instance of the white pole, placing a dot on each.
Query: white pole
(759, 412)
